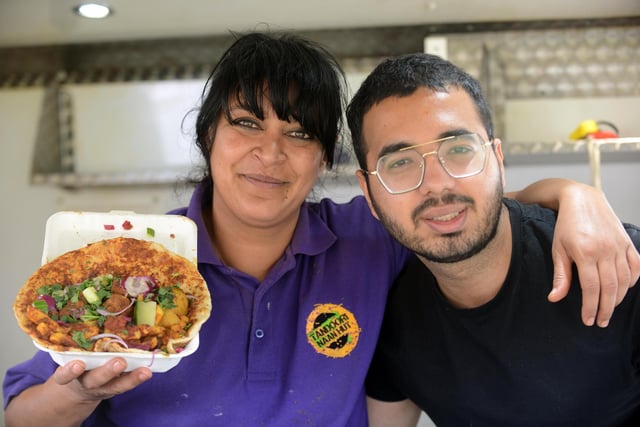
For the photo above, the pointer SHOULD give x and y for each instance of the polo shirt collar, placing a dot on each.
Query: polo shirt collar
(312, 236)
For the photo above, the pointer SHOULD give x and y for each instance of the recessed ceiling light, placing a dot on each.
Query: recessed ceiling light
(93, 10)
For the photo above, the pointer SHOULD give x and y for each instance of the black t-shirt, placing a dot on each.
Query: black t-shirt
(518, 360)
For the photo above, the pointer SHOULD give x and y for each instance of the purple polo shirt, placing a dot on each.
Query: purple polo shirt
(292, 350)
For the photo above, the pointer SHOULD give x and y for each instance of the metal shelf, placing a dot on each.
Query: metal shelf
(595, 147)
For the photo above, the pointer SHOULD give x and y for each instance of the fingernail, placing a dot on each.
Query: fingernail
(603, 324)
(590, 321)
(77, 369)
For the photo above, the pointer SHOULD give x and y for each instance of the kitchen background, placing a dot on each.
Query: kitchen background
(104, 124)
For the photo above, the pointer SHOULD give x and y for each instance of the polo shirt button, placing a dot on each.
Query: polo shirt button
(259, 333)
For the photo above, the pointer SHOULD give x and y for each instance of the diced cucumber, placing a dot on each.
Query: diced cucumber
(91, 295)
(145, 312)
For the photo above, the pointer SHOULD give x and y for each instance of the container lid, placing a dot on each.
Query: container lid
(69, 230)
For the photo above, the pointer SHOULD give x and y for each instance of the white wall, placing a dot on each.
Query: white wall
(23, 211)
(25, 208)
(619, 182)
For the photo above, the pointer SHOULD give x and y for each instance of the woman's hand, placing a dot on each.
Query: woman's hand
(590, 234)
(100, 383)
(71, 394)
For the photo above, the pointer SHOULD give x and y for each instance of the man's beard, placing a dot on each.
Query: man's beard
(454, 247)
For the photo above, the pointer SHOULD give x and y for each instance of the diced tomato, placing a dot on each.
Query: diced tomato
(109, 227)
(127, 225)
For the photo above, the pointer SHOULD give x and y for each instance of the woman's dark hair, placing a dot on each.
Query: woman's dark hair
(303, 82)
(402, 76)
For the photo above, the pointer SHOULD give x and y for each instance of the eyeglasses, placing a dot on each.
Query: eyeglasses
(461, 156)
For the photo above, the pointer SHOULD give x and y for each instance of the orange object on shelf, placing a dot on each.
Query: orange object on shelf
(592, 129)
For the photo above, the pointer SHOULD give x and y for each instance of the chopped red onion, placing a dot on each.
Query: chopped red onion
(153, 357)
(106, 343)
(113, 337)
(51, 303)
(138, 285)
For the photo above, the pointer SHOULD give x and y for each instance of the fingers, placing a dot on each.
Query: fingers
(615, 282)
(111, 379)
(624, 268)
(103, 382)
(605, 274)
(118, 384)
(102, 375)
(611, 288)
(590, 284)
(605, 285)
(599, 283)
(561, 276)
(69, 372)
(633, 259)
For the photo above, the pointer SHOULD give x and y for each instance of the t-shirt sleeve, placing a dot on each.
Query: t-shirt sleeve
(634, 233)
(26, 374)
(379, 383)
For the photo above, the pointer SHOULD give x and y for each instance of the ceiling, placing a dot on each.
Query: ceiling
(50, 22)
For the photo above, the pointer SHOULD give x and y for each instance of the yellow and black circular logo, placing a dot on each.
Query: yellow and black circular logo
(332, 330)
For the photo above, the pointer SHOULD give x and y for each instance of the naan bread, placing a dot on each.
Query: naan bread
(119, 257)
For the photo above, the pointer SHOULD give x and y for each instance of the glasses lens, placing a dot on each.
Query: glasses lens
(400, 171)
(463, 155)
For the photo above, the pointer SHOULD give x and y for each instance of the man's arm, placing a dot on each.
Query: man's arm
(392, 414)
(589, 234)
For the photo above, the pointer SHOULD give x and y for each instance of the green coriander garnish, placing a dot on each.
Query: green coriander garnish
(79, 338)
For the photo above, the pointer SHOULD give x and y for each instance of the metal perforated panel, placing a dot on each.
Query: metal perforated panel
(512, 61)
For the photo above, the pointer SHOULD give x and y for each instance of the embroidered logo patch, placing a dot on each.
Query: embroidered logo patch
(332, 330)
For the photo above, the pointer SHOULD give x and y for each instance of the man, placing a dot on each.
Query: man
(469, 336)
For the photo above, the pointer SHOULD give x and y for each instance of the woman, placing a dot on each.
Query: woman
(298, 288)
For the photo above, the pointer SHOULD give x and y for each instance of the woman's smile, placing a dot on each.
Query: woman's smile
(264, 180)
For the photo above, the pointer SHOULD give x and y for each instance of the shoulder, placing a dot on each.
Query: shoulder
(531, 221)
(353, 217)
(530, 212)
(179, 211)
(356, 230)
(356, 206)
(414, 284)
